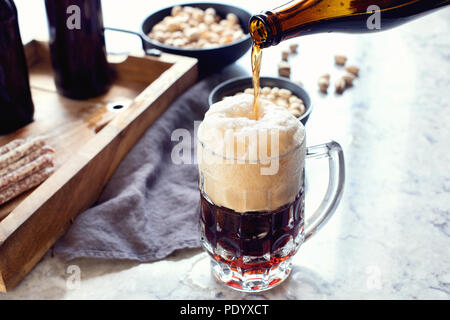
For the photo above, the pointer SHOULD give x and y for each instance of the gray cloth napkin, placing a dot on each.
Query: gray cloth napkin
(149, 208)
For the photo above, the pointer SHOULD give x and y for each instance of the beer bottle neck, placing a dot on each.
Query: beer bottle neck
(265, 29)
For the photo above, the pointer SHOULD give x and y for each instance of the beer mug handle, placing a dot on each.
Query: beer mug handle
(333, 151)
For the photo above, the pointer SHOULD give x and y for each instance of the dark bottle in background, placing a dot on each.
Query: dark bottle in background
(77, 46)
(16, 105)
(304, 17)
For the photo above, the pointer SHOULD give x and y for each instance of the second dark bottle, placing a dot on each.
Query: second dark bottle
(16, 105)
(77, 46)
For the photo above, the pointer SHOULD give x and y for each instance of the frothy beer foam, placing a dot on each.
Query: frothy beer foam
(247, 164)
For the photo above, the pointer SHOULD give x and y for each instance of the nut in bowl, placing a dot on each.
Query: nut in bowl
(216, 34)
(280, 91)
(194, 28)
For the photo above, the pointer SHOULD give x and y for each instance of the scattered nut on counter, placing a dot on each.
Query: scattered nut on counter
(285, 55)
(284, 69)
(24, 164)
(294, 48)
(194, 28)
(353, 70)
(326, 76)
(340, 60)
(324, 82)
(348, 78)
(281, 97)
(344, 82)
(340, 85)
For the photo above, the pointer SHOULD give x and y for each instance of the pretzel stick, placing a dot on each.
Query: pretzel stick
(26, 170)
(25, 184)
(19, 152)
(25, 160)
(10, 146)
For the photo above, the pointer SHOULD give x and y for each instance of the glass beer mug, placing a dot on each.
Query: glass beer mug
(253, 224)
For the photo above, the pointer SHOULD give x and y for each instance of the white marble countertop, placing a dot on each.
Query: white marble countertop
(390, 236)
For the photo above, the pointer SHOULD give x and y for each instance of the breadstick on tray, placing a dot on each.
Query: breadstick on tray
(25, 184)
(21, 151)
(26, 159)
(12, 145)
(26, 170)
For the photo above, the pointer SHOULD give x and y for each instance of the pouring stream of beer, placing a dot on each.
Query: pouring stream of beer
(256, 68)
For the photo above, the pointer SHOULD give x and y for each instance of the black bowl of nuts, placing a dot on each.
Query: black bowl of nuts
(216, 34)
(280, 91)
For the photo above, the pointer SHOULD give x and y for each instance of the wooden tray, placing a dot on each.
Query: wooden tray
(91, 138)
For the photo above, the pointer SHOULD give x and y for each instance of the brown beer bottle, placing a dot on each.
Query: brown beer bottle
(77, 46)
(304, 17)
(16, 105)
